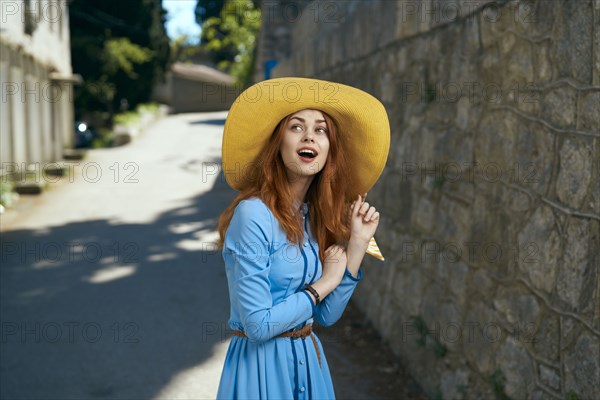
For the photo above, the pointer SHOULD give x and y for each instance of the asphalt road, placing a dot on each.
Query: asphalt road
(111, 287)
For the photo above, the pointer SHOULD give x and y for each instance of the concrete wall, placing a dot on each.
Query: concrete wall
(36, 81)
(490, 199)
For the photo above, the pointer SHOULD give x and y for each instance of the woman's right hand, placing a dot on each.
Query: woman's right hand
(335, 264)
(334, 268)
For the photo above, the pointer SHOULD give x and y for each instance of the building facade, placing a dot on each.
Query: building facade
(36, 104)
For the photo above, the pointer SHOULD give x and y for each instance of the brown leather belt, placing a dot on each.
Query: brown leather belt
(302, 333)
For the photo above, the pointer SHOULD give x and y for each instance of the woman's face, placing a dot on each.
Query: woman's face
(306, 130)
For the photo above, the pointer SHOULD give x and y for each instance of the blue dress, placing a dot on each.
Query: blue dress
(266, 274)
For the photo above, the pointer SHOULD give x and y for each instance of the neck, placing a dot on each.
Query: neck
(299, 187)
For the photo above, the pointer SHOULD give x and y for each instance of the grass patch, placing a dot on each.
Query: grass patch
(130, 118)
(498, 380)
(439, 349)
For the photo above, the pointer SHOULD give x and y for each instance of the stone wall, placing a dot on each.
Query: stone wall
(490, 199)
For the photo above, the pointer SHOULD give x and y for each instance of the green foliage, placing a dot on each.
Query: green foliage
(438, 348)
(571, 395)
(7, 196)
(127, 118)
(121, 55)
(438, 395)
(462, 389)
(206, 9)
(104, 139)
(130, 118)
(233, 37)
(430, 93)
(440, 177)
(121, 49)
(421, 330)
(498, 381)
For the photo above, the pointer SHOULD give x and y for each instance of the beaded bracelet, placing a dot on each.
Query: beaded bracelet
(314, 293)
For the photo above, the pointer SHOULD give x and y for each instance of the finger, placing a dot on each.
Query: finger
(370, 214)
(356, 206)
(364, 208)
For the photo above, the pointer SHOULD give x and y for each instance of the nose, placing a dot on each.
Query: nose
(308, 136)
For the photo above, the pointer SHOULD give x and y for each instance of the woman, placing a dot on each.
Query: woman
(298, 150)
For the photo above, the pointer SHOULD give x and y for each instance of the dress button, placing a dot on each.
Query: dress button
(301, 362)
(305, 244)
(302, 389)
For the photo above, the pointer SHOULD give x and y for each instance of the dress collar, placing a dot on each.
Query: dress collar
(303, 208)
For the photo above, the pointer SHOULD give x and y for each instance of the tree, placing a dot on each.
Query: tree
(121, 49)
(232, 36)
(206, 9)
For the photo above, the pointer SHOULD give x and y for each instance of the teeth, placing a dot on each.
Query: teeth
(312, 153)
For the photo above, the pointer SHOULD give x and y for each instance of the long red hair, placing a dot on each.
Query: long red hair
(326, 194)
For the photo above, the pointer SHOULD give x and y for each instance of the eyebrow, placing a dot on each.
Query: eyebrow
(303, 120)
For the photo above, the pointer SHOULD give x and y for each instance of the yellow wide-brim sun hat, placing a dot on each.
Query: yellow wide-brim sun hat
(362, 122)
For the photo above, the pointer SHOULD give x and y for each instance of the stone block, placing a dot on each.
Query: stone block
(520, 310)
(517, 368)
(450, 327)
(550, 376)
(454, 383)
(589, 112)
(424, 215)
(560, 107)
(494, 144)
(387, 87)
(74, 154)
(459, 274)
(572, 39)
(489, 239)
(494, 20)
(534, 157)
(517, 201)
(407, 19)
(572, 286)
(384, 21)
(575, 171)
(582, 367)
(31, 188)
(431, 306)
(539, 19)
(538, 249)
(539, 395)
(482, 283)
(542, 63)
(546, 341)
(594, 203)
(480, 339)
(518, 64)
(596, 65)
(452, 225)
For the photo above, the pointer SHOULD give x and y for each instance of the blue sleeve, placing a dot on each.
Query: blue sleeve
(246, 251)
(331, 308)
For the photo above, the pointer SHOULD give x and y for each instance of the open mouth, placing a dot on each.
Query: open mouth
(307, 154)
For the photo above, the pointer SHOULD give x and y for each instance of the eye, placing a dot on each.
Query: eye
(322, 130)
(296, 128)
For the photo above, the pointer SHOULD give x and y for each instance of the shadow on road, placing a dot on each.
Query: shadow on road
(98, 310)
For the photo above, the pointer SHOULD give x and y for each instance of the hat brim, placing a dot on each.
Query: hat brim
(362, 121)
